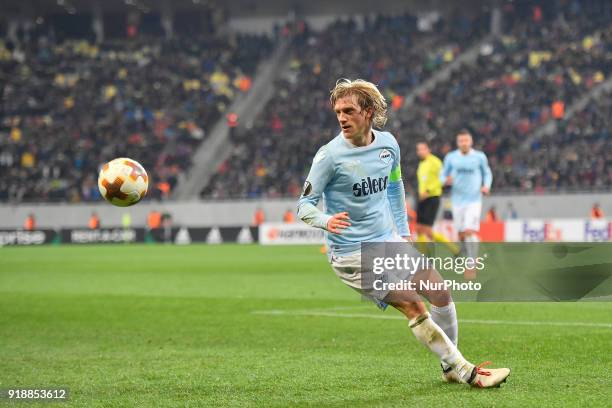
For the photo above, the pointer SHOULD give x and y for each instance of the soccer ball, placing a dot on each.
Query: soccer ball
(123, 182)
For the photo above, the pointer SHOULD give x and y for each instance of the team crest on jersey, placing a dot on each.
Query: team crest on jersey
(385, 156)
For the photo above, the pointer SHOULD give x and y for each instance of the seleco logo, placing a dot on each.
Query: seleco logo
(465, 170)
(541, 234)
(370, 186)
(597, 231)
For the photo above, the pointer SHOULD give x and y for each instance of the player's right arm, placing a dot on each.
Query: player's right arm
(487, 175)
(447, 168)
(320, 174)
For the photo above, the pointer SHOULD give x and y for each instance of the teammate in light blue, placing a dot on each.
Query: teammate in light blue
(467, 171)
(359, 177)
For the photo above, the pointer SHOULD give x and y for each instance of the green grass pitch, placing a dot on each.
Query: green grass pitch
(230, 325)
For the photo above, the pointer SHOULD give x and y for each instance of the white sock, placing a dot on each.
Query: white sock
(432, 337)
(471, 245)
(446, 318)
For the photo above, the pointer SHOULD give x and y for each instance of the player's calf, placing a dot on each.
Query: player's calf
(433, 337)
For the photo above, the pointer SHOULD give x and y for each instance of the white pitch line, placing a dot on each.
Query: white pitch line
(365, 306)
(327, 314)
(396, 317)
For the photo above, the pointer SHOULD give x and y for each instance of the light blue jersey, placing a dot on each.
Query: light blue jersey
(470, 172)
(363, 181)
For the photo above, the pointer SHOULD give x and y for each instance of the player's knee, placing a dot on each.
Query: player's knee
(441, 295)
(410, 309)
(440, 298)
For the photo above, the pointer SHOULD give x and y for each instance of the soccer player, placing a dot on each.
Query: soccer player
(467, 171)
(359, 177)
(430, 190)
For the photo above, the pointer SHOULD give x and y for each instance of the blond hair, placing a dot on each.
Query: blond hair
(368, 97)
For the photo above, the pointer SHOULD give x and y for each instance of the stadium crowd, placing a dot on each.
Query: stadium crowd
(577, 156)
(520, 81)
(270, 158)
(70, 106)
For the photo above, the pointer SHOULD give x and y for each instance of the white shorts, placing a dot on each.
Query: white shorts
(348, 269)
(467, 217)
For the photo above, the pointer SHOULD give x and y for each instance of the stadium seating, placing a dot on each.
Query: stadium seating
(68, 107)
(502, 98)
(271, 158)
(577, 157)
(509, 92)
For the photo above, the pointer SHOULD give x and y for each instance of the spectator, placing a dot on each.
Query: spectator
(154, 220)
(510, 213)
(491, 215)
(289, 217)
(166, 223)
(558, 110)
(94, 221)
(596, 212)
(259, 217)
(126, 220)
(30, 223)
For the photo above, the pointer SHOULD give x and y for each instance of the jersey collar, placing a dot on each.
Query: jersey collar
(375, 133)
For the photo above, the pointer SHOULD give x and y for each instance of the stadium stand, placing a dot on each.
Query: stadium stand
(68, 107)
(523, 80)
(271, 157)
(520, 81)
(578, 156)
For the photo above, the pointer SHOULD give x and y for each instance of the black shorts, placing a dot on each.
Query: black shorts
(427, 210)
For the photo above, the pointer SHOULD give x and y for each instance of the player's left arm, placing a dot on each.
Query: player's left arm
(487, 175)
(397, 196)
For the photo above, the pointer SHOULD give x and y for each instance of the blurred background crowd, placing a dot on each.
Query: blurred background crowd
(70, 104)
(520, 81)
(68, 107)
